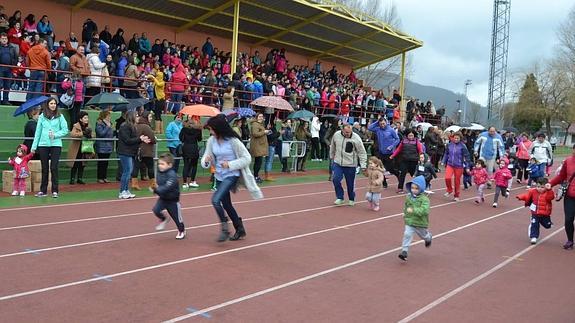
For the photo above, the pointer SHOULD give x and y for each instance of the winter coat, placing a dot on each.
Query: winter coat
(387, 138)
(74, 147)
(30, 131)
(315, 127)
(59, 127)
(419, 216)
(524, 149)
(242, 163)
(39, 58)
(78, 87)
(480, 176)
(542, 201)
(104, 131)
(456, 155)
(79, 63)
(502, 176)
(536, 170)
(259, 140)
(168, 187)
(489, 147)
(426, 170)
(542, 151)
(566, 174)
(179, 80)
(346, 151)
(159, 85)
(190, 138)
(121, 67)
(409, 150)
(173, 134)
(20, 167)
(375, 176)
(228, 100)
(146, 150)
(96, 67)
(128, 140)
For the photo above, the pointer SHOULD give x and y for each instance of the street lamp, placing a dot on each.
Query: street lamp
(467, 83)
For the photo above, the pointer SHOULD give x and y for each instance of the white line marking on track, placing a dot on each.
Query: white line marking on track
(34, 251)
(325, 272)
(474, 280)
(186, 260)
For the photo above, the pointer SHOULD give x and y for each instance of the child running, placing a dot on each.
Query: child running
(375, 172)
(480, 178)
(502, 176)
(415, 215)
(536, 171)
(168, 191)
(21, 170)
(539, 200)
(426, 169)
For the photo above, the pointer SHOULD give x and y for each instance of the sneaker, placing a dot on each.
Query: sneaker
(194, 185)
(162, 225)
(533, 240)
(130, 195)
(456, 199)
(568, 245)
(399, 191)
(259, 180)
(338, 202)
(447, 194)
(428, 242)
(428, 192)
(181, 235)
(55, 195)
(15, 193)
(185, 186)
(40, 194)
(508, 191)
(403, 255)
(518, 181)
(376, 208)
(213, 189)
(22, 194)
(494, 205)
(351, 203)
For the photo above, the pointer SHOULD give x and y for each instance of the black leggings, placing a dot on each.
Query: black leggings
(315, 151)
(159, 109)
(49, 158)
(522, 173)
(569, 208)
(78, 167)
(103, 165)
(404, 168)
(258, 165)
(190, 169)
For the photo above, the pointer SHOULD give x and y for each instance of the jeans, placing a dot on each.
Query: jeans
(423, 233)
(536, 221)
(49, 155)
(177, 96)
(36, 84)
(5, 83)
(270, 158)
(127, 167)
(221, 200)
(338, 173)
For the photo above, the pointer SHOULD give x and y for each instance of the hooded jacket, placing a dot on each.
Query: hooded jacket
(419, 204)
(346, 151)
(502, 176)
(20, 164)
(542, 151)
(179, 80)
(159, 85)
(376, 177)
(479, 175)
(39, 57)
(387, 138)
(489, 147)
(315, 127)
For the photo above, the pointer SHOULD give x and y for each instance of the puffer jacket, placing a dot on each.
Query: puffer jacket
(542, 201)
(96, 67)
(566, 174)
(480, 176)
(456, 155)
(408, 151)
(375, 176)
(502, 176)
(419, 216)
(168, 188)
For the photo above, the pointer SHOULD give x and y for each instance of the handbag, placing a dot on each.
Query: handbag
(87, 147)
(106, 75)
(564, 188)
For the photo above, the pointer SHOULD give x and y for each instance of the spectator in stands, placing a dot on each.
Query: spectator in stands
(160, 97)
(16, 18)
(258, 144)
(8, 56)
(144, 161)
(79, 63)
(38, 60)
(178, 84)
(15, 35)
(134, 43)
(228, 98)
(118, 39)
(173, 136)
(74, 86)
(131, 80)
(71, 44)
(4, 24)
(88, 30)
(94, 81)
(105, 35)
(30, 25)
(208, 48)
(81, 131)
(144, 45)
(46, 31)
(51, 128)
(104, 148)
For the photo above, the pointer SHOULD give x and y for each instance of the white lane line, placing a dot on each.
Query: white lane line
(181, 261)
(145, 198)
(36, 251)
(325, 272)
(473, 281)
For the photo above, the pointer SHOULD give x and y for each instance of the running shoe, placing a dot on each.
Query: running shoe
(162, 225)
(181, 235)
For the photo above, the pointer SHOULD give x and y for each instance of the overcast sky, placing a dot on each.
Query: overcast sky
(457, 39)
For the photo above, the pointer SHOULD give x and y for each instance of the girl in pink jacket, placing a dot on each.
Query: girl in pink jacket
(501, 177)
(480, 178)
(21, 170)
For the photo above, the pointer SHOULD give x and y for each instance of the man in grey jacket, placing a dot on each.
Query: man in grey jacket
(346, 148)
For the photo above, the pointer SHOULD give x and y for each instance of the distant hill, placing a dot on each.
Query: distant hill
(439, 97)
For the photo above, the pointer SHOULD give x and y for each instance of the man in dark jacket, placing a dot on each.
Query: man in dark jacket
(8, 56)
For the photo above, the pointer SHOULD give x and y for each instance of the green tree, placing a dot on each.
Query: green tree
(529, 113)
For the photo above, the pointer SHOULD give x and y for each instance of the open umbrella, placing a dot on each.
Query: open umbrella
(30, 104)
(200, 110)
(276, 102)
(328, 116)
(511, 129)
(107, 99)
(424, 125)
(301, 114)
(132, 104)
(453, 128)
(245, 112)
(475, 126)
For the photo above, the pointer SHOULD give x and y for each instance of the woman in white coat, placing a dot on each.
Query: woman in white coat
(314, 129)
(94, 80)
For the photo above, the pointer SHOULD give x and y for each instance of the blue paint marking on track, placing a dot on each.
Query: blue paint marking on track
(193, 310)
(103, 277)
(32, 251)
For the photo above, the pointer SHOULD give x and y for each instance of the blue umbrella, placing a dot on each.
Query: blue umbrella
(245, 112)
(30, 104)
(132, 105)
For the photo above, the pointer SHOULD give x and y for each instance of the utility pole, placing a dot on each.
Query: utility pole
(467, 83)
(498, 63)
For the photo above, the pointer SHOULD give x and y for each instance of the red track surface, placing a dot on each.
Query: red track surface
(303, 260)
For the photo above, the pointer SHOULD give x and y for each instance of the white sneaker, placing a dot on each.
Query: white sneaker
(185, 186)
(494, 205)
(456, 199)
(194, 185)
(181, 235)
(429, 192)
(122, 195)
(162, 225)
(22, 194)
(447, 194)
(15, 193)
(55, 195)
(533, 240)
(130, 195)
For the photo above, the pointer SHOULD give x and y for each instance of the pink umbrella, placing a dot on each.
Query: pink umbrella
(276, 102)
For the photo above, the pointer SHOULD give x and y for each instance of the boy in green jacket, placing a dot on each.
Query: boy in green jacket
(415, 215)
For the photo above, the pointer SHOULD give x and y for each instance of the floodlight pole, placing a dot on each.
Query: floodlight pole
(235, 36)
(402, 87)
(467, 83)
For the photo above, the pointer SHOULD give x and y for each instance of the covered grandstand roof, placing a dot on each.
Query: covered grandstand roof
(318, 29)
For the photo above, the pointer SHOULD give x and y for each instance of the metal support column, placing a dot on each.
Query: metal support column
(402, 89)
(235, 36)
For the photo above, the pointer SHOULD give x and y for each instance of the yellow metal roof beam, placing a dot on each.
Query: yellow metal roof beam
(205, 16)
(80, 5)
(151, 12)
(297, 26)
(346, 44)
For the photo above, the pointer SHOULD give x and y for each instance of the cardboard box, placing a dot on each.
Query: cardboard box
(35, 166)
(8, 182)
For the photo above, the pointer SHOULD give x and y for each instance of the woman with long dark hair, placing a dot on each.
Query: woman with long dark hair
(51, 128)
(258, 144)
(80, 130)
(128, 144)
(190, 136)
(226, 152)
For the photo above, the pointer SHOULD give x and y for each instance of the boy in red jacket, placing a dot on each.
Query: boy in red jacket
(539, 202)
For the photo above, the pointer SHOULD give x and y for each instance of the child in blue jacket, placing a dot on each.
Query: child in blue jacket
(168, 191)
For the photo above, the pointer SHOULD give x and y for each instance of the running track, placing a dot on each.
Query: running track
(304, 260)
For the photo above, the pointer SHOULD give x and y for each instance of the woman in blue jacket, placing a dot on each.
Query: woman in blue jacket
(104, 148)
(51, 128)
